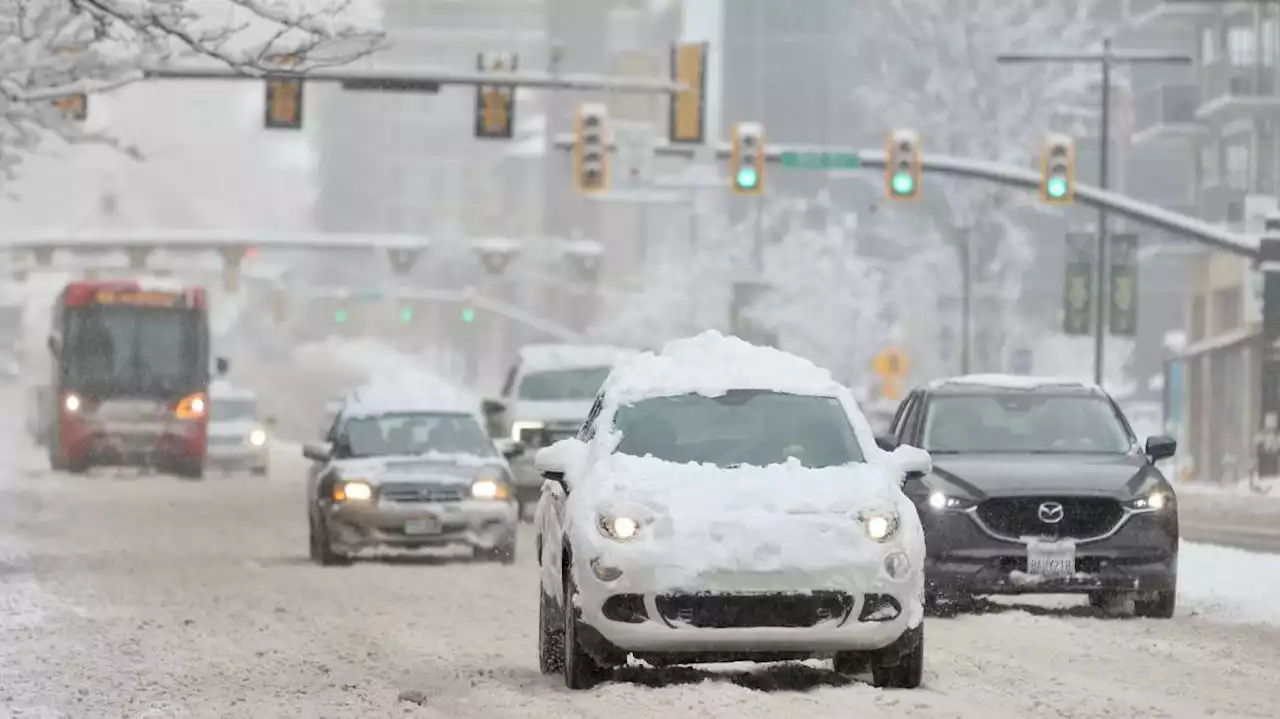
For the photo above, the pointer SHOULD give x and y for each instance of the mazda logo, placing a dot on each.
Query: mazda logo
(1051, 512)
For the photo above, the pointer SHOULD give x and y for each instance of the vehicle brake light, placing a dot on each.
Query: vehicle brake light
(192, 406)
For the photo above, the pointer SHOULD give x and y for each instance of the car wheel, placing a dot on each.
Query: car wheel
(906, 674)
(258, 472)
(1161, 607)
(190, 470)
(849, 663)
(322, 547)
(550, 635)
(580, 670)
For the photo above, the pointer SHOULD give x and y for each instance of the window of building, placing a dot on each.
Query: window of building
(1242, 46)
(1197, 318)
(1268, 32)
(1209, 165)
(1207, 54)
(1228, 309)
(1237, 169)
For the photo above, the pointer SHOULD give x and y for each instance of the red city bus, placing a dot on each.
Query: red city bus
(130, 377)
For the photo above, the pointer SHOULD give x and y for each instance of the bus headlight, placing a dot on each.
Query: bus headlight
(71, 403)
(192, 406)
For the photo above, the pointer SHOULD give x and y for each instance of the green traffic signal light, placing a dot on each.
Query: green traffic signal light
(468, 314)
(903, 183)
(1056, 187)
(747, 177)
(406, 315)
(340, 316)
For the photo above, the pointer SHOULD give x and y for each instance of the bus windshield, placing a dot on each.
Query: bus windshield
(129, 350)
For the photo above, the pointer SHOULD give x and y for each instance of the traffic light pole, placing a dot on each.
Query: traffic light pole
(1106, 60)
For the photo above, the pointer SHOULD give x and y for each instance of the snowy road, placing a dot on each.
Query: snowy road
(147, 596)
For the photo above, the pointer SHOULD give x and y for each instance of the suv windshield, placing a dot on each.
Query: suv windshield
(581, 383)
(227, 410)
(416, 433)
(1024, 423)
(753, 427)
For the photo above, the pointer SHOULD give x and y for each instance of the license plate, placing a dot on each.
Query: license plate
(1052, 560)
(422, 526)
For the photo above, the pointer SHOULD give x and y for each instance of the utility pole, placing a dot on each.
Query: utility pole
(964, 243)
(1106, 60)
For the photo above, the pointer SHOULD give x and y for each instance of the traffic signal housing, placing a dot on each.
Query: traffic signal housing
(1058, 170)
(746, 161)
(903, 165)
(590, 149)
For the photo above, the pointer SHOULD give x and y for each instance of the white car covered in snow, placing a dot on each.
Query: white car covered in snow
(237, 433)
(727, 502)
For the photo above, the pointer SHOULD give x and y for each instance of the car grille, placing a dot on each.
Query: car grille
(224, 441)
(420, 492)
(722, 611)
(1082, 517)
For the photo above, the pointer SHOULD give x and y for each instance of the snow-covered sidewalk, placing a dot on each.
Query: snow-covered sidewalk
(1228, 585)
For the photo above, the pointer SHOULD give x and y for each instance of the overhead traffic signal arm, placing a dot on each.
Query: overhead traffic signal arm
(903, 165)
(1058, 169)
(747, 158)
(590, 150)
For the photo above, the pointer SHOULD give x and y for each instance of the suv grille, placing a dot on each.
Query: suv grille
(420, 492)
(1082, 517)
(721, 611)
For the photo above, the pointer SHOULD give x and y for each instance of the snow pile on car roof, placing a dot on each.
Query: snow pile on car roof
(712, 364)
(564, 356)
(1010, 381)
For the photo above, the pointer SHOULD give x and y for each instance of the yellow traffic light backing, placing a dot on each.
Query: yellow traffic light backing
(903, 165)
(1057, 167)
(590, 151)
(746, 161)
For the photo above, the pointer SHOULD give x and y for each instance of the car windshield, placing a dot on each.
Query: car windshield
(580, 383)
(416, 433)
(228, 410)
(751, 427)
(1023, 423)
(133, 350)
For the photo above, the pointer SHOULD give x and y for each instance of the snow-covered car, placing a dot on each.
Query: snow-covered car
(237, 432)
(1040, 486)
(545, 397)
(728, 502)
(408, 468)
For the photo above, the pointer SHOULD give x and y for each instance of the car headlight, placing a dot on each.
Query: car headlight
(519, 428)
(879, 526)
(489, 489)
(940, 501)
(352, 490)
(71, 403)
(1153, 502)
(257, 438)
(620, 528)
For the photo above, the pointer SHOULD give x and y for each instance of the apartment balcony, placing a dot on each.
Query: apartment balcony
(1164, 15)
(1235, 92)
(1166, 112)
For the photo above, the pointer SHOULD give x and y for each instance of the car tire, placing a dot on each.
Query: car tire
(190, 470)
(580, 670)
(908, 673)
(258, 472)
(550, 635)
(1161, 607)
(322, 549)
(849, 663)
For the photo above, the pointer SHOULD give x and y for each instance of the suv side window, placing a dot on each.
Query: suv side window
(904, 409)
(332, 435)
(913, 422)
(589, 426)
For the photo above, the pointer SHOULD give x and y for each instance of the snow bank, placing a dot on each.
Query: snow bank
(1229, 584)
(712, 364)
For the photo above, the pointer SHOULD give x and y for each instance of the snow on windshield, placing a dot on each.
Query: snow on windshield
(711, 364)
(751, 427)
(1016, 422)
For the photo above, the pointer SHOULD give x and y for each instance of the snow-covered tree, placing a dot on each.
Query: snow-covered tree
(52, 49)
(936, 72)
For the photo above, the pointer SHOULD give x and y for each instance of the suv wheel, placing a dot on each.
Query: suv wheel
(906, 674)
(580, 670)
(322, 549)
(550, 635)
(1159, 607)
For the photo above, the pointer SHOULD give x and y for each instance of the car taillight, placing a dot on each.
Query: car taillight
(193, 406)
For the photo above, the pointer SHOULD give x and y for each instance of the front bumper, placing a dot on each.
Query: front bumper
(481, 524)
(744, 614)
(132, 444)
(237, 457)
(963, 558)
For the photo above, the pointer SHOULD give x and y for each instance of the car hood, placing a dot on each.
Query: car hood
(978, 476)
(523, 410)
(701, 520)
(436, 468)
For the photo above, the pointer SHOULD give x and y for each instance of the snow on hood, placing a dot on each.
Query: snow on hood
(784, 517)
(233, 426)
(712, 364)
(438, 465)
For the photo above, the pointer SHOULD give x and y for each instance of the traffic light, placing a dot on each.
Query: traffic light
(903, 165)
(340, 315)
(590, 152)
(405, 314)
(1058, 167)
(746, 162)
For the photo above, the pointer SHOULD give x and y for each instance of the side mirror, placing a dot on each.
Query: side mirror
(222, 365)
(553, 461)
(1161, 447)
(887, 442)
(55, 345)
(491, 407)
(317, 451)
(913, 461)
(509, 447)
(269, 420)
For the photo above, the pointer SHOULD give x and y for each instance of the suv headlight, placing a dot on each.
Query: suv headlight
(1153, 502)
(879, 526)
(257, 438)
(621, 528)
(490, 485)
(941, 501)
(353, 490)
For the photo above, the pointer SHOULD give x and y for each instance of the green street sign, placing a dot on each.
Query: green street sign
(821, 160)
